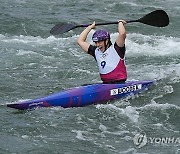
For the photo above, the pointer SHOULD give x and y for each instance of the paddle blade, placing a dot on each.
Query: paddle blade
(158, 18)
(62, 28)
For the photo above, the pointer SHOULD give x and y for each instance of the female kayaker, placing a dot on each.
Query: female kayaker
(110, 57)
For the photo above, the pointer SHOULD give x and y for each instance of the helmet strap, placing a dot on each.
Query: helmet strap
(107, 45)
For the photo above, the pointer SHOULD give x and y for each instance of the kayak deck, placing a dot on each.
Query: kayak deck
(85, 95)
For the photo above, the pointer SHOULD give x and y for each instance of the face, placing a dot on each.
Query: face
(101, 45)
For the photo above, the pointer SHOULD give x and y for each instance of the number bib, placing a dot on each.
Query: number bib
(108, 60)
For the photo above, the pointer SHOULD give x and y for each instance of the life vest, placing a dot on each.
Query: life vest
(111, 65)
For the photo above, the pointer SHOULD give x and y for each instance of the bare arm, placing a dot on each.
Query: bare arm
(122, 33)
(82, 37)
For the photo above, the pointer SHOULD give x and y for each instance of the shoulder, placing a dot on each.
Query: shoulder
(91, 50)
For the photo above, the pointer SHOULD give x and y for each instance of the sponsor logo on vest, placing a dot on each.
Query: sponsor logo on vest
(125, 89)
(103, 56)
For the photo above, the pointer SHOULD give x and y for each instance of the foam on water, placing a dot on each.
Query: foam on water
(157, 106)
(151, 45)
(139, 5)
(37, 40)
(80, 135)
(128, 111)
(148, 45)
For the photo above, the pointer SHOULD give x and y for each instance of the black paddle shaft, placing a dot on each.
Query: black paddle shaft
(157, 18)
(65, 27)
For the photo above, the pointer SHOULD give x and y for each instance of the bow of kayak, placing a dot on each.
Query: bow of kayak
(85, 95)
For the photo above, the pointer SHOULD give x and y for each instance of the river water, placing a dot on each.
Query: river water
(33, 63)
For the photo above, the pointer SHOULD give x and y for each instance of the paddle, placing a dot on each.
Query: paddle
(157, 18)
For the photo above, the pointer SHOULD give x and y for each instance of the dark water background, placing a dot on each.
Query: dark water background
(33, 63)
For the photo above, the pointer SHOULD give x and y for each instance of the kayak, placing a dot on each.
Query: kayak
(86, 95)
